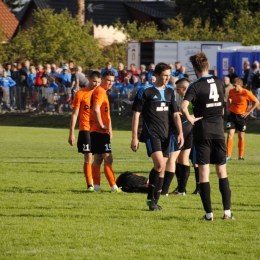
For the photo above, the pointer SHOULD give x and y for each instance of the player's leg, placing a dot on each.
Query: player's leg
(169, 171)
(87, 168)
(109, 173)
(203, 151)
(183, 161)
(156, 178)
(241, 144)
(230, 133)
(98, 159)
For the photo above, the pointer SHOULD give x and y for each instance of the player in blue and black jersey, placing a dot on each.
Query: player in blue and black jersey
(156, 102)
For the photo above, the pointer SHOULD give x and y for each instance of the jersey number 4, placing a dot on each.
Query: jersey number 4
(213, 94)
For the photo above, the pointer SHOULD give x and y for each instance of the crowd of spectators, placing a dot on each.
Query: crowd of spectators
(26, 87)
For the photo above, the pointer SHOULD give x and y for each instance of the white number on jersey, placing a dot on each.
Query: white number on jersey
(213, 94)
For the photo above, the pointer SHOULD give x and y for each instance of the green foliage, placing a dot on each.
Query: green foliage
(134, 31)
(115, 53)
(46, 214)
(214, 11)
(13, 5)
(56, 37)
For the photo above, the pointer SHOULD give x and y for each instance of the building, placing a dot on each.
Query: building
(104, 14)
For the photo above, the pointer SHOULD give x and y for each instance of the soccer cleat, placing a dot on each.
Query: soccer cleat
(226, 217)
(152, 205)
(177, 193)
(197, 191)
(90, 189)
(241, 159)
(228, 158)
(206, 219)
(117, 190)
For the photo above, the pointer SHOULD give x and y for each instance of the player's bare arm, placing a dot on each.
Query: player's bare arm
(135, 123)
(97, 114)
(185, 112)
(228, 105)
(73, 121)
(178, 124)
(249, 110)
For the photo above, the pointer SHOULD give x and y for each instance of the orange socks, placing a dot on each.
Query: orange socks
(241, 148)
(96, 175)
(88, 173)
(110, 175)
(229, 147)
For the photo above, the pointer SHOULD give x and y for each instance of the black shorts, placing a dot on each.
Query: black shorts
(100, 143)
(193, 155)
(235, 121)
(154, 144)
(212, 151)
(84, 142)
(187, 129)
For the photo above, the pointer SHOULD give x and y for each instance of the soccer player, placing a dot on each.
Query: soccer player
(238, 111)
(101, 132)
(157, 103)
(207, 96)
(81, 106)
(180, 154)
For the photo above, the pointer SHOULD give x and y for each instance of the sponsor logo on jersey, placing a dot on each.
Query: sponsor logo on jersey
(155, 97)
(210, 80)
(218, 104)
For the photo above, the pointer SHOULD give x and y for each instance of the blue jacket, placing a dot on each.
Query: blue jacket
(30, 79)
(7, 83)
(112, 69)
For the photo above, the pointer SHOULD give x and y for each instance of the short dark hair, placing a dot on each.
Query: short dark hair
(160, 67)
(108, 73)
(181, 80)
(95, 74)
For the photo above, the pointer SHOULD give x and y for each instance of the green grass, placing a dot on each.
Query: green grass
(45, 212)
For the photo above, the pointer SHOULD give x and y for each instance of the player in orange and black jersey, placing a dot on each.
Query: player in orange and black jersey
(238, 111)
(81, 107)
(207, 96)
(101, 133)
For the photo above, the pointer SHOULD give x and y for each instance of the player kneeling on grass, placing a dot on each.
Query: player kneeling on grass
(207, 97)
(81, 106)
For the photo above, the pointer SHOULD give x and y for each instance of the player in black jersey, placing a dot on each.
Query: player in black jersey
(156, 103)
(207, 96)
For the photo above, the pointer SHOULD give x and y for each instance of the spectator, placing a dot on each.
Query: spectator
(177, 69)
(59, 70)
(6, 83)
(183, 73)
(53, 73)
(116, 90)
(80, 79)
(246, 66)
(135, 87)
(232, 75)
(109, 68)
(143, 80)
(134, 72)
(153, 79)
(127, 86)
(47, 70)
(8, 68)
(172, 69)
(26, 67)
(22, 89)
(143, 71)
(31, 81)
(150, 72)
(121, 72)
(60, 97)
(228, 87)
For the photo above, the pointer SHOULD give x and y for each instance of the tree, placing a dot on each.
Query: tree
(213, 10)
(56, 37)
(13, 5)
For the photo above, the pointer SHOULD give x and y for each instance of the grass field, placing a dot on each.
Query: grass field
(45, 212)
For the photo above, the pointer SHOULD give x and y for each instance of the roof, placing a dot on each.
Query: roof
(108, 12)
(7, 21)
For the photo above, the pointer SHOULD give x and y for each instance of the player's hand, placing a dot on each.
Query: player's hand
(71, 139)
(245, 114)
(193, 120)
(134, 144)
(180, 140)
